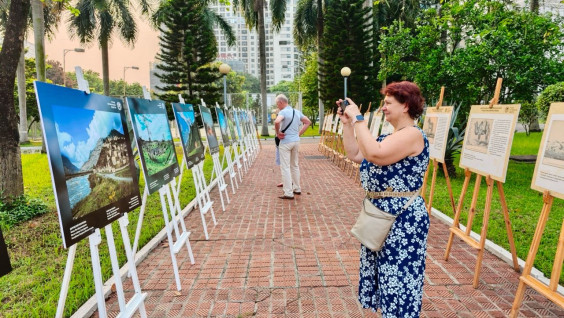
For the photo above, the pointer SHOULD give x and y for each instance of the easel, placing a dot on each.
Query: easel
(235, 143)
(550, 190)
(137, 301)
(465, 236)
(435, 168)
(323, 136)
(242, 141)
(549, 291)
(182, 237)
(227, 157)
(221, 185)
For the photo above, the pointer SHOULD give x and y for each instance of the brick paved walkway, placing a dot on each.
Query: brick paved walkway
(269, 257)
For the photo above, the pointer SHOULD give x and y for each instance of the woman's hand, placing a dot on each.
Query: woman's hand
(351, 110)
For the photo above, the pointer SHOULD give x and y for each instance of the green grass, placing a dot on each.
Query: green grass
(38, 258)
(524, 205)
(526, 145)
(31, 143)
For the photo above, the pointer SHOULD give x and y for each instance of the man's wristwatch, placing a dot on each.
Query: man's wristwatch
(357, 118)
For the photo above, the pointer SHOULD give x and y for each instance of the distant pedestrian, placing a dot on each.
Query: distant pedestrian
(286, 126)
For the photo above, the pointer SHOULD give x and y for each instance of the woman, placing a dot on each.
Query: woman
(392, 279)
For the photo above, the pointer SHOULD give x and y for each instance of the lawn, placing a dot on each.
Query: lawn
(524, 206)
(38, 258)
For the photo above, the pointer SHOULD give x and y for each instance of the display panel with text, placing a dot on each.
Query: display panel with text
(488, 139)
(549, 168)
(436, 127)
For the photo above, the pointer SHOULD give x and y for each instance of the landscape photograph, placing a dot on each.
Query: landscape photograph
(222, 126)
(189, 134)
(155, 140)
(209, 129)
(95, 158)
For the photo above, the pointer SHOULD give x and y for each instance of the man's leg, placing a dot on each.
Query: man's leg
(294, 167)
(285, 151)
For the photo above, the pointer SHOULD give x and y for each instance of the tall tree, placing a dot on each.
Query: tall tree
(308, 30)
(187, 49)
(11, 178)
(253, 11)
(98, 20)
(347, 42)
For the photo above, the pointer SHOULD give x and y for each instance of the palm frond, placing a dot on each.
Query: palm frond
(224, 26)
(278, 9)
(83, 25)
(305, 22)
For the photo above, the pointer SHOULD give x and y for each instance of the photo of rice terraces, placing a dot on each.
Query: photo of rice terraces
(94, 152)
(189, 133)
(155, 141)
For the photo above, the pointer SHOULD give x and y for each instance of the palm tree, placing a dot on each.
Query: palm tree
(99, 19)
(308, 30)
(253, 11)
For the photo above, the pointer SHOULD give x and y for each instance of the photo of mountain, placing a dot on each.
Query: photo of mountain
(222, 126)
(154, 141)
(231, 125)
(209, 129)
(95, 158)
(92, 166)
(189, 133)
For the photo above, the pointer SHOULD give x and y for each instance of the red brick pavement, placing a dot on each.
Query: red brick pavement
(269, 257)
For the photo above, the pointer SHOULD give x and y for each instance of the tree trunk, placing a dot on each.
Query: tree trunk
(11, 178)
(105, 68)
(534, 6)
(259, 7)
(39, 38)
(21, 97)
(319, 61)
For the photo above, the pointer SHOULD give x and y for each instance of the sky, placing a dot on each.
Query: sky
(120, 55)
(78, 130)
(157, 124)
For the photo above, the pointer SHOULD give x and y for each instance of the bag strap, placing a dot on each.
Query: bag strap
(293, 113)
(411, 200)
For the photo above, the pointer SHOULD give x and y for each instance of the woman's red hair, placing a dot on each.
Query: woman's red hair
(407, 93)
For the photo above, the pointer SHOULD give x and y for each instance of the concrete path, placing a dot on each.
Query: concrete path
(269, 257)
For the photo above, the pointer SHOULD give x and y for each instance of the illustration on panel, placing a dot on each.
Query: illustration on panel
(554, 153)
(479, 132)
(430, 127)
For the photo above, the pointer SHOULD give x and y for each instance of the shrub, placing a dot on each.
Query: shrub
(528, 115)
(20, 209)
(551, 94)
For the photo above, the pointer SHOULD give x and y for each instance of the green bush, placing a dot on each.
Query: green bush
(551, 94)
(20, 209)
(528, 115)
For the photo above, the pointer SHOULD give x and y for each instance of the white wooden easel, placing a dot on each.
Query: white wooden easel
(137, 301)
(227, 157)
(181, 234)
(242, 140)
(235, 143)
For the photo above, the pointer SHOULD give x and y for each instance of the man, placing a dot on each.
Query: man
(289, 120)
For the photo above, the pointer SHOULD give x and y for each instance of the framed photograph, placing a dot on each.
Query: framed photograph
(231, 124)
(436, 127)
(154, 141)
(238, 123)
(5, 266)
(189, 134)
(92, 166)
(549, 168)
(209, 129)
(222, 126)
(488, 139)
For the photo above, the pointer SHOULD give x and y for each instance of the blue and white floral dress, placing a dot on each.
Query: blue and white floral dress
(392, 279)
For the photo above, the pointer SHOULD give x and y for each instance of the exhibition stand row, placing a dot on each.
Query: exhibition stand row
(485, 153)
(92, 143)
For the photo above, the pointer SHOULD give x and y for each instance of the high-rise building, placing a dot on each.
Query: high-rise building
(282, 56)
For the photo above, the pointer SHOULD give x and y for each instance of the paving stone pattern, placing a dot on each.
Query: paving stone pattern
(269, 257)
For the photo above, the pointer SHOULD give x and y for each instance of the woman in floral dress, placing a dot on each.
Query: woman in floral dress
(392, 278)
